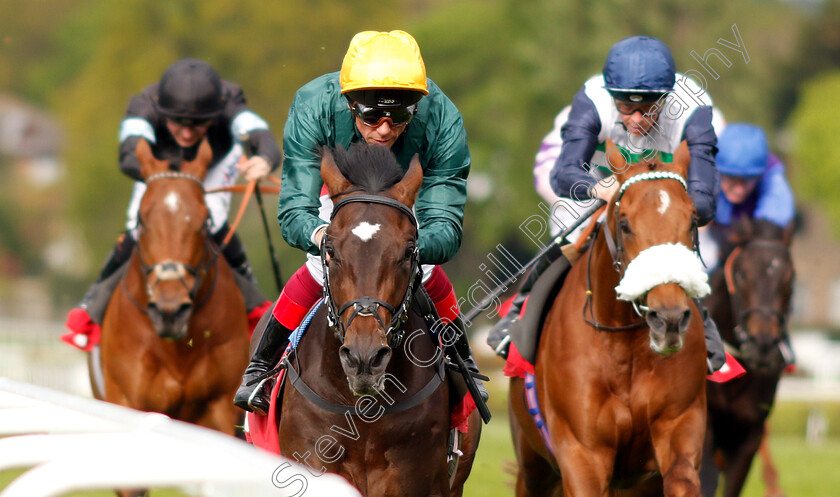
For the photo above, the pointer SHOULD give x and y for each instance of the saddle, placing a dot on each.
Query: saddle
(525, 333)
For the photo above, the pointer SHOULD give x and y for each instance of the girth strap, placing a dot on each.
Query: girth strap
(311, 396)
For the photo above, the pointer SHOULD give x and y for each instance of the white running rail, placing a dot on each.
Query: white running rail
(73, 443)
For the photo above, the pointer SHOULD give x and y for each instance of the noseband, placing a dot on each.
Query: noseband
(615, 245)
(742, 315)
(366, 305)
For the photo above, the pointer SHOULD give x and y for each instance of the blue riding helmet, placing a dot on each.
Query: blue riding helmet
(639, 69)
(742, 150)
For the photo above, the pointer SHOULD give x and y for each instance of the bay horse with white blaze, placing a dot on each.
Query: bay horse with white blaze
(621, 365)
(751, 305)
(365, 396)
(175, 333)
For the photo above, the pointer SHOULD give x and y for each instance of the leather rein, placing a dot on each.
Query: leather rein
(741, 315)
(366, 305)
(369, 306)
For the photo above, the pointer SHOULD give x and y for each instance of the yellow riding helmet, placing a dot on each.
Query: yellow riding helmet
(379, 60)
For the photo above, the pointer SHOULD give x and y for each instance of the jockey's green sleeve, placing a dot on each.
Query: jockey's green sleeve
(319, 116)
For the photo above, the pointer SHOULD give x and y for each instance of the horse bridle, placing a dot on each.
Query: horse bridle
(172, 270)
(615, 245)
(366, 305)
(742, 315)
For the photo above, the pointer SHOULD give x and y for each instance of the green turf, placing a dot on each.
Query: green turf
(804, 471)
(8, 476)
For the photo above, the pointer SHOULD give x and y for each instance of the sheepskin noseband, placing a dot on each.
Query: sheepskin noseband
(660, 264)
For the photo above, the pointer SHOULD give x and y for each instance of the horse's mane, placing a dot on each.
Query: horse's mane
(746, 229)
(372, 168)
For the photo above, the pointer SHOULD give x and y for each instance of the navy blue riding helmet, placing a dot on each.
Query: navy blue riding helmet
(639, 69)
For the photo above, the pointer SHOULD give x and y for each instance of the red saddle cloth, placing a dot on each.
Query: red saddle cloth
(84, 333)
(517, 366)
(262, 431)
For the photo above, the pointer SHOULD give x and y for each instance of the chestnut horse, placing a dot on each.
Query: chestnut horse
(621, 366)
(366, 395)
(750, 304)
(175, 333)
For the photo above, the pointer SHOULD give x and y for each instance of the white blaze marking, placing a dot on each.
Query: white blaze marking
(365, 230)
(172, 201)
(664, 202)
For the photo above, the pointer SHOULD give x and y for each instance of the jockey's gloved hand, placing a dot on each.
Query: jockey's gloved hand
(254, 168)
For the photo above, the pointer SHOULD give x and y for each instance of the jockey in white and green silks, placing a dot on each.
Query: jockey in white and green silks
(645, 107)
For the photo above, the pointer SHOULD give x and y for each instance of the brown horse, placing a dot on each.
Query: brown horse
(366, 396)
(175, 333)
(751, 304)
(621, 383)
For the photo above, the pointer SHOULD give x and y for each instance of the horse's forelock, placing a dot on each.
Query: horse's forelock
(373, 168)
(745, 230)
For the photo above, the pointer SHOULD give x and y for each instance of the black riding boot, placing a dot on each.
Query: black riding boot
(715, 353)
(462, 345)
(499, 337)
(254, 392)
(99, 294)
(234, 253)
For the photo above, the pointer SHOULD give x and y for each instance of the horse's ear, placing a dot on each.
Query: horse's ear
(788, 232)
(406, 190)
(335, 181)
(616, 160)
(682, 157)
(742, 231)
(198, 166)
(148, 164)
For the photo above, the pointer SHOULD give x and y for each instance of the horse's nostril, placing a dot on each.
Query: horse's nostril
(183, 309)
(654, 320)
(686, 320)
(348, 358)
(380, 358)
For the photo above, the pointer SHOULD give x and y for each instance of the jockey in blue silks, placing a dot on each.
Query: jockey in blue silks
(752, 184)
(752, 179)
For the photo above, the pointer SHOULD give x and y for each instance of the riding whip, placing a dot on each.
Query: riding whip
(502, 288)
(248, 152)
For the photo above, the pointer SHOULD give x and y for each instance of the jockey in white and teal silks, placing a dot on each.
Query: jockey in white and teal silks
(645, 107)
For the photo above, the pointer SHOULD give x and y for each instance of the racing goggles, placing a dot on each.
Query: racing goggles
(187, 122)
(373, 116)
(647, 109)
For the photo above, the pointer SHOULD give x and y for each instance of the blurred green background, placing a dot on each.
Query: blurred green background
(509, 66)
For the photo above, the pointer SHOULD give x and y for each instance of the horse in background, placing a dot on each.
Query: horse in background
(175, 333)
(367, 395)
(750, 303)
(621, 365)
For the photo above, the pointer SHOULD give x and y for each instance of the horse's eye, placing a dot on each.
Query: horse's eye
(624, 226)
(409, 252)
(330, 251)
